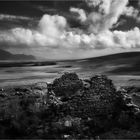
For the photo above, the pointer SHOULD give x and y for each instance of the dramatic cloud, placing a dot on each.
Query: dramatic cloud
(132, 12)
(107, 15)
(82, 15)
(53, 26)
(129, 39)
(49, 30)
(54, 38)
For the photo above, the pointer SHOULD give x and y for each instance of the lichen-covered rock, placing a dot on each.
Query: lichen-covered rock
(127, 101)
(67, 85)
(98, 99)
(130, 89)
(96, 104)
(40, 86)
(101, 84)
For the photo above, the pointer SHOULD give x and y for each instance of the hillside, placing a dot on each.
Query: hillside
(123, 69)
(121, 64)
(4, 55)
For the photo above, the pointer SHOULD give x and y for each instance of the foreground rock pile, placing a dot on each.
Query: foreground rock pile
(68, 108)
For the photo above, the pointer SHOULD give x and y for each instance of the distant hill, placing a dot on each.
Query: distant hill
(118, 56)
(116, 64)
(4, 55)
(122, 63)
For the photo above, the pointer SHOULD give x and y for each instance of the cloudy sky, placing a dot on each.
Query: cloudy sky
(69, 29)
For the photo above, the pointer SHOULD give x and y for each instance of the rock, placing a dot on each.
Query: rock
(100, 83)
(67, 85)
(22, 89)
(40, 89)
(1, 89)
(134, 94)
(38, 93)
(130, 89)
(19, 93)
(40, 86)
(68, 123)
(3, 94)
(130, 105)
(66, 136)
(95, 104)
(68, 108)
(86, 83)
(99, 99)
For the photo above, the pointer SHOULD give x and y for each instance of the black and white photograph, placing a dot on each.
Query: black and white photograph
(70, 69)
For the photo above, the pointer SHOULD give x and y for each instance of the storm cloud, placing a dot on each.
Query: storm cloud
(54, 35)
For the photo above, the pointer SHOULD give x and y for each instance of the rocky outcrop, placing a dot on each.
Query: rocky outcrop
(67, 85)
(67, 108)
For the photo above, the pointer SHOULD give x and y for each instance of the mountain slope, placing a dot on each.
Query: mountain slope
(122, 63)
(4, 55)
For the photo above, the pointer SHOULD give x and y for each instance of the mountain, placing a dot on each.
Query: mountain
(4, 55)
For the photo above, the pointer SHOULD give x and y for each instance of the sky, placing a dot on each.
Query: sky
(69, 29)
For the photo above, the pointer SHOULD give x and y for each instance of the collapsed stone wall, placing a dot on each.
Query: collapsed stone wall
(66, 108)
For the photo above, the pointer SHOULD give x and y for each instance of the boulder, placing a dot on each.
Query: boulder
(40, 86)
(67, 85)
(99, 99)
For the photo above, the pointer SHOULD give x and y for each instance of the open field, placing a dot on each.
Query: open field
(123, 69)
